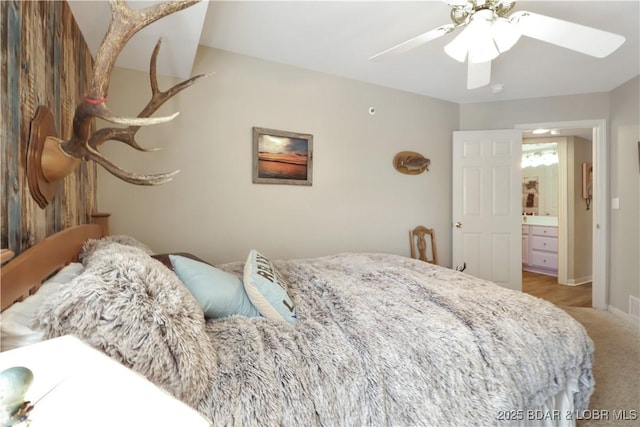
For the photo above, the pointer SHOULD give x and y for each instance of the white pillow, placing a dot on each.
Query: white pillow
(16, 321)
(266, 289)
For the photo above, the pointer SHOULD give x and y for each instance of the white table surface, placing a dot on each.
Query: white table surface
(95, 390)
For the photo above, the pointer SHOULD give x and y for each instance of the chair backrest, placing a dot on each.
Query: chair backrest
(417, 239)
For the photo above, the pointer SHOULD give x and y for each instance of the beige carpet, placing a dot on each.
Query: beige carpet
(616, 368)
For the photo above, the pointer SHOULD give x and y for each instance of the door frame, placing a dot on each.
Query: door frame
(600, 246)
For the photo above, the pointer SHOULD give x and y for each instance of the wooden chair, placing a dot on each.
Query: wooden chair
(417, 238)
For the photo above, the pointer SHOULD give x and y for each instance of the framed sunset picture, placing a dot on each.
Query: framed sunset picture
(281, 157)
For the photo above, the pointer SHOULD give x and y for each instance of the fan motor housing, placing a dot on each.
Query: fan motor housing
(460, 14)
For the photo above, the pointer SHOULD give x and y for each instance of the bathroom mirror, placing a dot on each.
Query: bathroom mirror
(539, 178)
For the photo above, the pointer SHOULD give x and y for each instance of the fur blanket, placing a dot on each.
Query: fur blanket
(380, 340)
(388, 340)
(134, 309)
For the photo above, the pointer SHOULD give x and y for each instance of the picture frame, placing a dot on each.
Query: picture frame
(530, 195)
(282, 157)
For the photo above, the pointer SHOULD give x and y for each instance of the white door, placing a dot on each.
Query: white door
(487, 233)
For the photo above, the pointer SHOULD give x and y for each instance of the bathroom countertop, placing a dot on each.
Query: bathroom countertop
(550, 221)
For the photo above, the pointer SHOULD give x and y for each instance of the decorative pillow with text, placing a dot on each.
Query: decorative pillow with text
(266, 289)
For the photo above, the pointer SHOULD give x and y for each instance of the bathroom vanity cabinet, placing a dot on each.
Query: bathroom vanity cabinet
(540, 249)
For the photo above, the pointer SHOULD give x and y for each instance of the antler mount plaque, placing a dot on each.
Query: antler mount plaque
(49, 158)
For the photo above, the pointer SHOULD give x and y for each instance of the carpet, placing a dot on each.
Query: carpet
(616, 398)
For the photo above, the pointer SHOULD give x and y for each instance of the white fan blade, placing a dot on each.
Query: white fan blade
(478, 74)
(580, 38)
(416, 41)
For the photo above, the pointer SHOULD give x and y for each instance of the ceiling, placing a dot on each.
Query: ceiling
(338, 37)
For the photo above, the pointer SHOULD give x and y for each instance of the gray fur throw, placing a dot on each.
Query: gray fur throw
(93, 244)
(380, 340)
(385, 340)
(137, 311)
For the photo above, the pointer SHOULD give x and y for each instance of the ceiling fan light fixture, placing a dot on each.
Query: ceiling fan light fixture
(458, 47)
(483, 50)
(483, 39)
(491, 29)
(505, 34)
(482, 47)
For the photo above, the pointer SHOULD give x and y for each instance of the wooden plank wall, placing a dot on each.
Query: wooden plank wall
(43, 60)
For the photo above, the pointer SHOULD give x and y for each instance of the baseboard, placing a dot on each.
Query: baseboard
(537, 270)
(622, 315)
(634, 306)
(578, 282)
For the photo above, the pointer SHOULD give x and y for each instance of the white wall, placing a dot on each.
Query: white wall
(625, 185)
(580, 220)
(357, 202)
(506, 114)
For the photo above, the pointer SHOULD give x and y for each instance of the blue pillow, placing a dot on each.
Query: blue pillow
(266, 289)
(219, 294)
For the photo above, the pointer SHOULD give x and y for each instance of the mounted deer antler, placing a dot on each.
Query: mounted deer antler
(50, 159)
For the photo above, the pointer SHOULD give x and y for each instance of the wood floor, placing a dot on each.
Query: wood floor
(548, 288)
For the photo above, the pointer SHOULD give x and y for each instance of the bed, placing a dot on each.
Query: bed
(358, 339)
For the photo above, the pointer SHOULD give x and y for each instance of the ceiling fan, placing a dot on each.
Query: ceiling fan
(490, 30)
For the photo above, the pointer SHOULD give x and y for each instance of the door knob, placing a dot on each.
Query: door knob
(458, 224)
